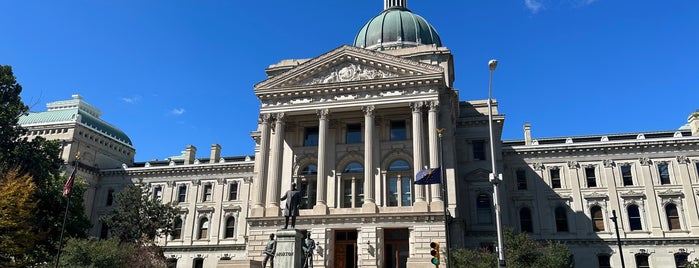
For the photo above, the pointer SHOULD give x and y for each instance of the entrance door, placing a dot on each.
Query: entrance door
(346, 249)
(396, 247)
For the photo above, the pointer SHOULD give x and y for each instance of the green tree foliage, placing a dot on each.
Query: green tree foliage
(90, 252)
(521, 251)
(138, 217)
(40, 159)
(17, 234)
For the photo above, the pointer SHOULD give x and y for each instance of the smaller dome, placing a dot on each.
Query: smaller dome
(396, 27)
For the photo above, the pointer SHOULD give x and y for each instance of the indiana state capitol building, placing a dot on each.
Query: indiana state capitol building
(353, 126)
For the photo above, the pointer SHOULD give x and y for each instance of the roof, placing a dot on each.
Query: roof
(396, 27)
(75, 110)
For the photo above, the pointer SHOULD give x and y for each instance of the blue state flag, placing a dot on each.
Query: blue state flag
(429, 176)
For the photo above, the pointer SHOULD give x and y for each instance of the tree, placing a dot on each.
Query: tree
(40, 159)
(90, 252)
(17, 234)
(520, 251)
(138, 217)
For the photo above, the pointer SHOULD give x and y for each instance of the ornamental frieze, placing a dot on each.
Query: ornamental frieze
(346, 72)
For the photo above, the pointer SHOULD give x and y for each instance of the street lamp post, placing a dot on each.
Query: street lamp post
(495, 178)
(618, 239)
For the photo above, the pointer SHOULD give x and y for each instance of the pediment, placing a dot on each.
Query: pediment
(346, 65)
(478, 173)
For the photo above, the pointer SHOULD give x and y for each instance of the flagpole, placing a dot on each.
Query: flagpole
(443, 185)
(67, 188)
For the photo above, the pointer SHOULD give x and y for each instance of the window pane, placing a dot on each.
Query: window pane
(406, 197)
(392, 192)
(603, 261)
(634, 218)
(207, 192)
(521, 180)
(230, 227)
(681, 260)
(347, 193)
(664, 174)
(483, 209)
(478, 150)
(642, 261)
(354, 167)
(359, 191)
(399, 165)
(673, 218)
(233, 191)
(590, 175)
(597, 219)
(626, 175)
(354, 133)
(525, 220)
(310, 136)
(182, 194)
(555, 178)
(561, 219)
(398, 132)
(310, 170)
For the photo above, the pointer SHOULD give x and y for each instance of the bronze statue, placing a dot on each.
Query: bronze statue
(308, 246)
(269, 252)
(293, 200)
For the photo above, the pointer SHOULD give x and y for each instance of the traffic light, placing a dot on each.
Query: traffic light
(435, 253)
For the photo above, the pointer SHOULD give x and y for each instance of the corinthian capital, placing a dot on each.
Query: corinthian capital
(323, 114)
(416, 106)
(368, 110)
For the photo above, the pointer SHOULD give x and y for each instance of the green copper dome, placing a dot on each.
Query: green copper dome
(396, 27)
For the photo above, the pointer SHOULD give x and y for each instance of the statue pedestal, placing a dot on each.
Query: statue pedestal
(289, 253)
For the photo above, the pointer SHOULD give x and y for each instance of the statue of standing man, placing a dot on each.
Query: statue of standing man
(293, 200)
(309, 245)
(269, 252)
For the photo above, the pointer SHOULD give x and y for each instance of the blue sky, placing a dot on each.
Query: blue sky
(172, 73)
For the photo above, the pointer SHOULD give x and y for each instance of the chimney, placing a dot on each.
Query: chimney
(527, 134)
(215, 153)
(190, 154)
(693, 120)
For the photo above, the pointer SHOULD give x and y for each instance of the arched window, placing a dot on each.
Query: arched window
(400, 184)
(603, 261)
(484, 212)
(634, 218)
(673, 218)
(203, 228)
(642, 261)
(177, 229)
(561, 219)
(230, 227)
(352, 185)
(307, 186)
(525, 220)
(597, 219)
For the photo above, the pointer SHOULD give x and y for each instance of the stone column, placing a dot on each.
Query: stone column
(369, 201)
(685, 179)
(275, 169)
(322, 176)
(260, 184)
(655, 226)
(420, 203)
(436, 203)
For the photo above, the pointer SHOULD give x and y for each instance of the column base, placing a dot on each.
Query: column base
(420, 206)
(437, 205)
(369, 207)
(273, 211)
(320, 209)
(257, 212)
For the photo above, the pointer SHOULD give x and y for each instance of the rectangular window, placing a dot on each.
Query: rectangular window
(626, 176)
(310, 137)
(158, 193)
(208, 192)
(478, 150)
(398, 131)
(521, 179)
(642, 261)
(233, 191)
(354, 133)
(591, 178)
(555, 178)
(182, 193)
(664, 173)
(681, 260)
(603, 261)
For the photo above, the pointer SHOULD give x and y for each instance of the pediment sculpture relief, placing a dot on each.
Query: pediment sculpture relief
(346, 72)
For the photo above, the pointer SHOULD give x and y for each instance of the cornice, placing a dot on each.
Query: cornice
(202, 168)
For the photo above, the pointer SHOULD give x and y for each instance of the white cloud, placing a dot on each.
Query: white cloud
(178, 111)
(131, 100)
(535, 5)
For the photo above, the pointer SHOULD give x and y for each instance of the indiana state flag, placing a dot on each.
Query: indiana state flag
(429, 176)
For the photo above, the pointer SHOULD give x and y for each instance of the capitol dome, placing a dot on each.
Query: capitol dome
(396, 27)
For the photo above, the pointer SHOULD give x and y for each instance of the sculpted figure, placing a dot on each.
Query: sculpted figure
(293, 200)
(308, 246)
(269, 252)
